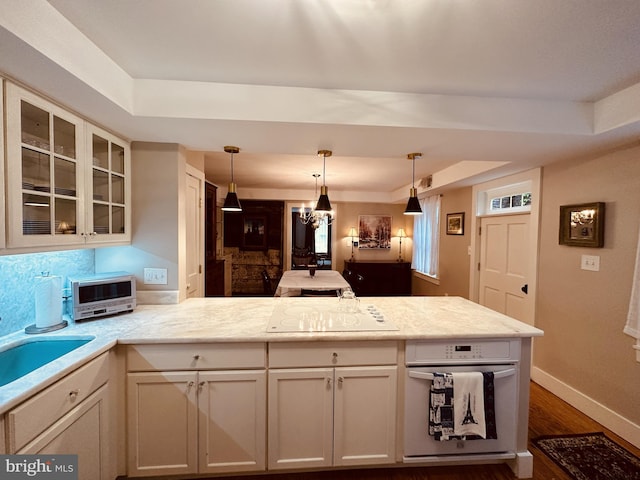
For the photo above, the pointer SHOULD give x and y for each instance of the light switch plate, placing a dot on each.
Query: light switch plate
(590, 262)
(155, 276)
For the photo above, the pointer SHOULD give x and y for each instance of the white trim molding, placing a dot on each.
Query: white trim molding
(590, 407)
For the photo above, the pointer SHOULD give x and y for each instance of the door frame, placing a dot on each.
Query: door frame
(199, 177)
(530, 179)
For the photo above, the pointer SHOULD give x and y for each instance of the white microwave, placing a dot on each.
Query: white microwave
(100, 295)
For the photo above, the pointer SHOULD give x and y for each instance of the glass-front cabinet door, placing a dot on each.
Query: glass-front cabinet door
(108, 186)
(68, 182)
(44, 172)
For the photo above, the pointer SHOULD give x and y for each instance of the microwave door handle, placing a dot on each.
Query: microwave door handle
(429, 376)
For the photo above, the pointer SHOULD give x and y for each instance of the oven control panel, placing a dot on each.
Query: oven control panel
(463, 351)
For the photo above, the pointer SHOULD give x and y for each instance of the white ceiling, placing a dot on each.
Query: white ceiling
(481, 88)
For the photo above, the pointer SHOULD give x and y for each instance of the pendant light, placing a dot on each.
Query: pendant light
(231, 202)
(324, 205)
(413, 205)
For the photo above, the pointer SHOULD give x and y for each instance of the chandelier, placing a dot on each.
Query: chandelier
(320, 212)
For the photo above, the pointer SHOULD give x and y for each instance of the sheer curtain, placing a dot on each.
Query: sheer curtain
(426, 237)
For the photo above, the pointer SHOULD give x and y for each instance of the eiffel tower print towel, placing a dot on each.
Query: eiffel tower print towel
(462, 406)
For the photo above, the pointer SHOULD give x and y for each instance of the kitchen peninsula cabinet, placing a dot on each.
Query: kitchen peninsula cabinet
(332, 404)
(195, 408)
(68, 182)
(72, 415)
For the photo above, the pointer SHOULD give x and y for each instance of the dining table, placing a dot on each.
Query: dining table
(295, 283)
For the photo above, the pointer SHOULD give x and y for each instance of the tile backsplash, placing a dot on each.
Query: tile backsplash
(17, 280)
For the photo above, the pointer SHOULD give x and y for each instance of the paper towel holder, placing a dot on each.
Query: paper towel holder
(33, 329)
(52, 328)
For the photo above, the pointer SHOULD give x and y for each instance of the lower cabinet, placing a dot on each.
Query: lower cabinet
(3, 448)
(72, 416)
(332, 416)
(202, 421)
(83, 431)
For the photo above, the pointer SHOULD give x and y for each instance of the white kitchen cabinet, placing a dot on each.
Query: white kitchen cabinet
(84, 432)
(2, 163)
(3, 447)
(195, 419)
(108, 183)
(323, 415)
(67, 181)
(72, 416)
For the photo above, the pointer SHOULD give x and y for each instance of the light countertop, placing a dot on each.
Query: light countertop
(245, 319)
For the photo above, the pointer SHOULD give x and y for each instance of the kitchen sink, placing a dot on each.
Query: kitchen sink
(327, 316)
(20, 358)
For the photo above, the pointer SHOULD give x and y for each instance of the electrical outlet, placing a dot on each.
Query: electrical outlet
(590, 262)
(155, 276)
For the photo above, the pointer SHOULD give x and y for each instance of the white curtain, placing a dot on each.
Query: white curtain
(426, 237)
(633, 318)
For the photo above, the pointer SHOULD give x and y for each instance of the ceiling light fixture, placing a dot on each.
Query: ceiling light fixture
(324, 205)
(231, 202)
(312, 216)
(413, 205)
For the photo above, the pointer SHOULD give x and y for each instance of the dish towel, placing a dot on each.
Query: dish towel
(633, 317)
(468, 404)
(445, 399)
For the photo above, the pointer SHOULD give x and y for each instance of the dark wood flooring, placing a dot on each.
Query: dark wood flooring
(549, 415)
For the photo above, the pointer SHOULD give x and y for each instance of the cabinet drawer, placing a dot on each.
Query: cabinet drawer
(329, 354)
(198, 356)
(35, 415)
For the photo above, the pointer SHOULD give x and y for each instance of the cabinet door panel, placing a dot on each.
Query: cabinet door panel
(45, 180)
(232, 421)
(83, 431)
(365, 415)
(162, 423)
(300, 418)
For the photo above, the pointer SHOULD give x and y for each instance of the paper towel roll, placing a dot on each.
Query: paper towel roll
(48, 293)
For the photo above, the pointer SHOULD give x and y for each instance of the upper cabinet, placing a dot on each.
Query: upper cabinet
(108, 187)
(2, 162)
(68, 182)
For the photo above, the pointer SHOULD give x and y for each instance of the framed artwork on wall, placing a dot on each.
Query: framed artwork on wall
(455, 223)
(374, 232)
(582, 225)
(254, 232)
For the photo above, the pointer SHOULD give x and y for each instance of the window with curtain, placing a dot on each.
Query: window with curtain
(426, 237)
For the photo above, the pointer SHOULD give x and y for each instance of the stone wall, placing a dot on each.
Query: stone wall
(247, 270)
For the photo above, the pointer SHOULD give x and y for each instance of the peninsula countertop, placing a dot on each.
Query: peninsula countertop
(245, 319)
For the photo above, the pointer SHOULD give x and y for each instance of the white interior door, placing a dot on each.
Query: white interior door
(193, 241)
(505, 251)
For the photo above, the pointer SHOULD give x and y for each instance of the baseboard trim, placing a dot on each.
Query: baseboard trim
(600, 413)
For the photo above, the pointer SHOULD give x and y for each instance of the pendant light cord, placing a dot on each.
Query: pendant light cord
(231, 167)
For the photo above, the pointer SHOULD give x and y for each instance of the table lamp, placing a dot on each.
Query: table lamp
(400, 235)
(353, 234)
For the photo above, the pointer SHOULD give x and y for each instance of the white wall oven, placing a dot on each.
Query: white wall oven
(423, 359)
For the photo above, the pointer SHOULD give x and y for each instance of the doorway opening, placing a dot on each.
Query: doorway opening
(308, 244)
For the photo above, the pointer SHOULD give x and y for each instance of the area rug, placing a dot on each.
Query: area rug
(590, 456)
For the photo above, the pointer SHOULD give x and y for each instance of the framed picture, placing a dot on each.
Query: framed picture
(455, 223)
(582, 225)
(254, 232)
(374, 231)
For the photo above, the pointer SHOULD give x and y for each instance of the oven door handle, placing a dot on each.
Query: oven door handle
(429, 376)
